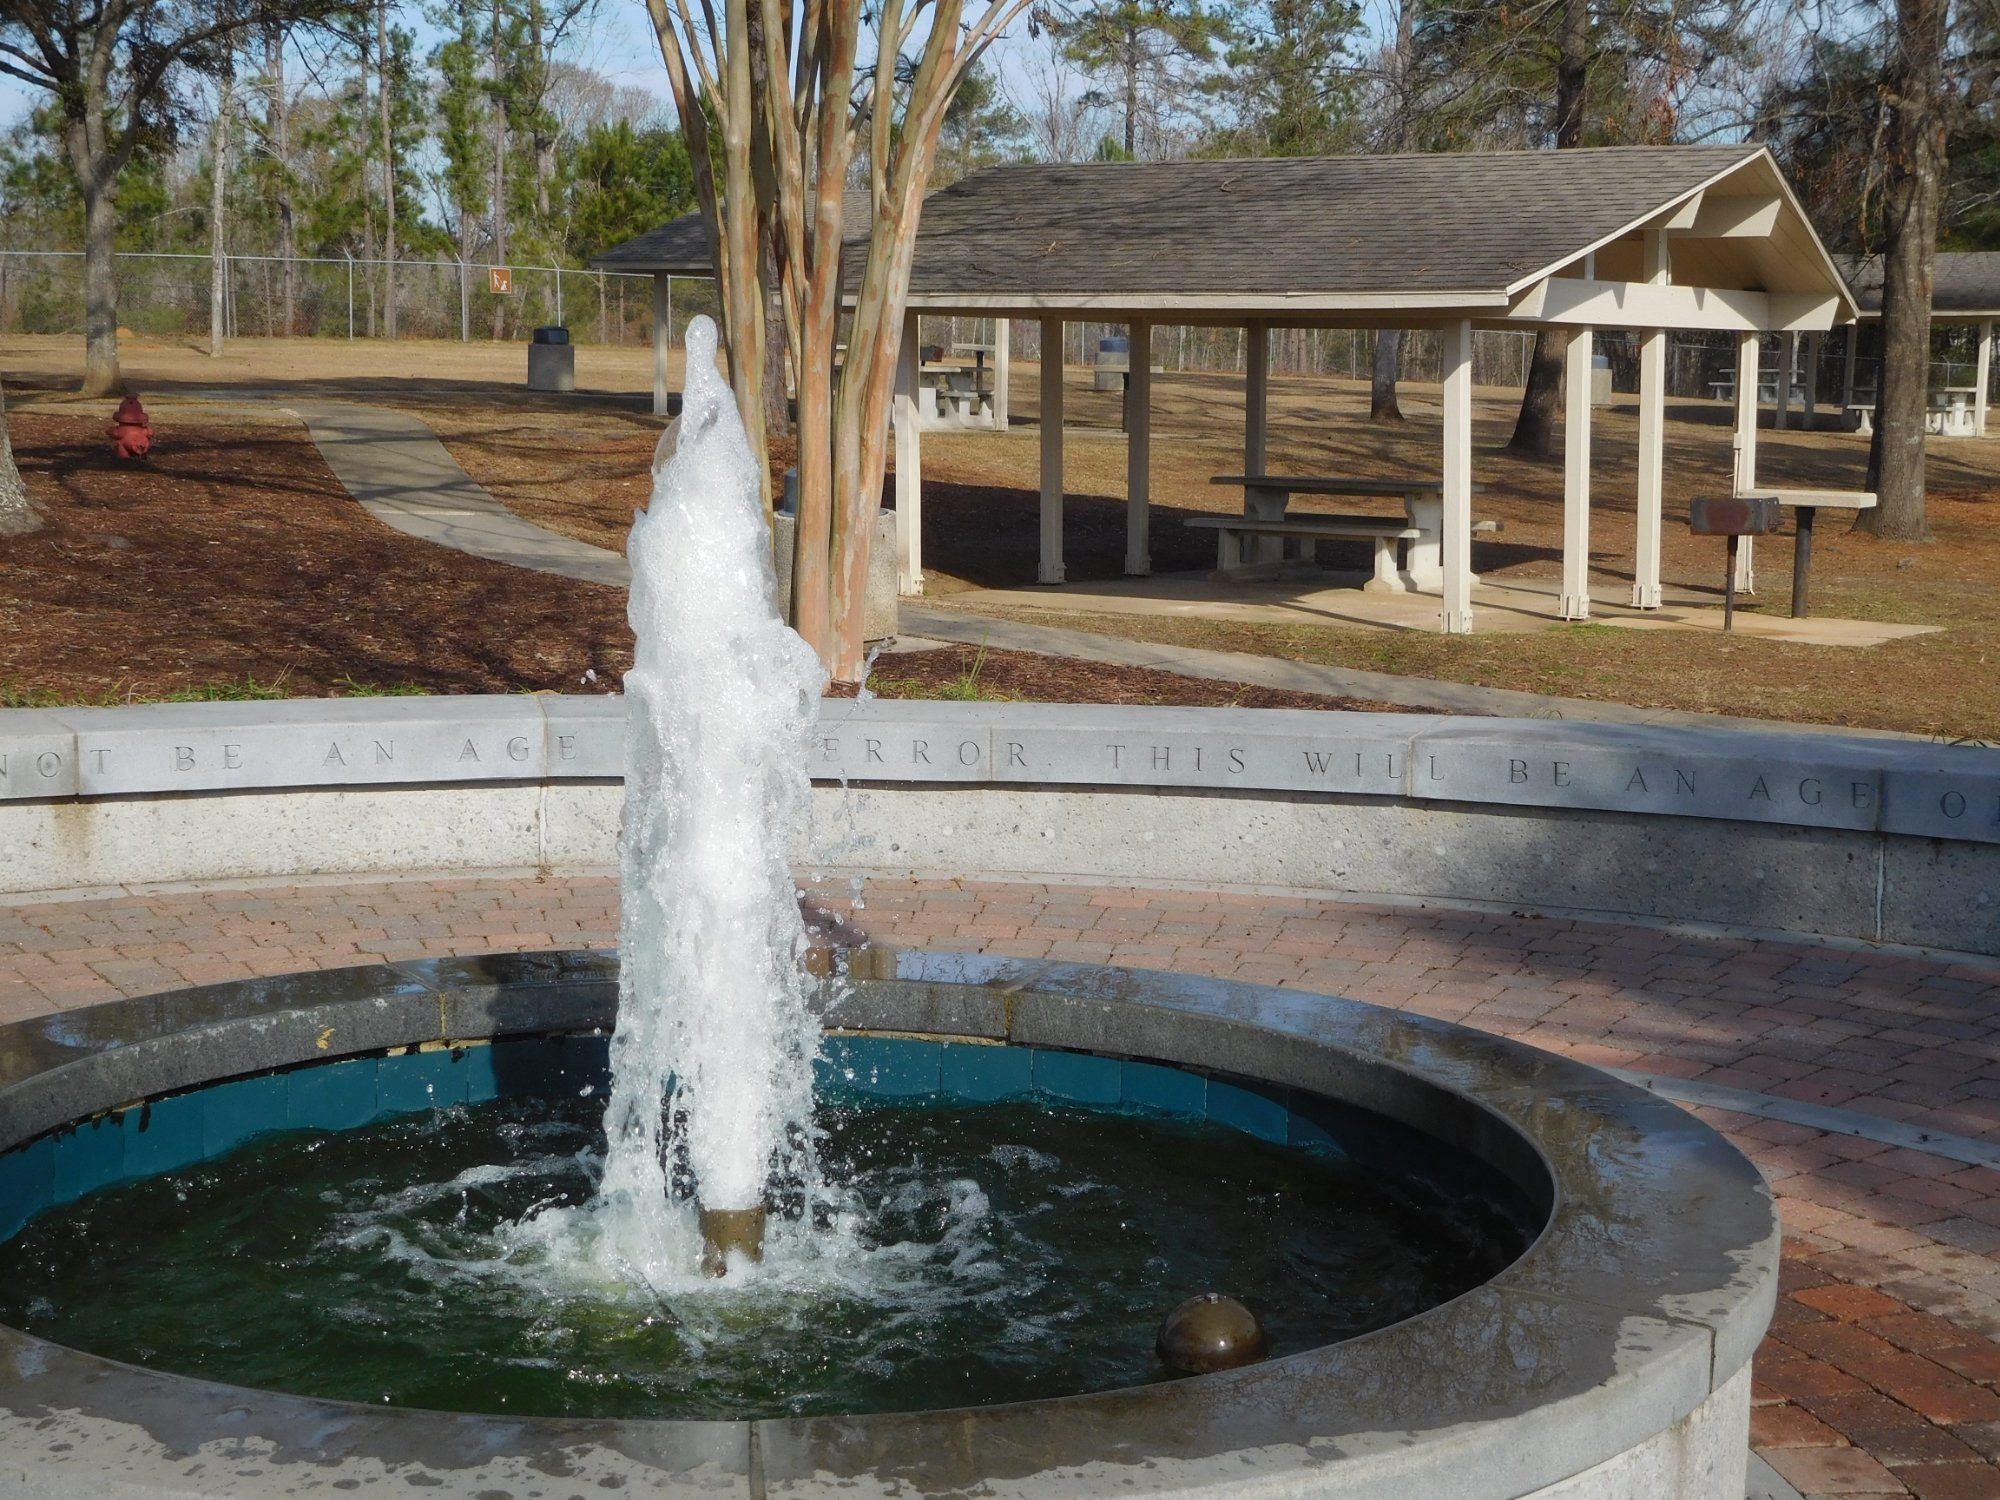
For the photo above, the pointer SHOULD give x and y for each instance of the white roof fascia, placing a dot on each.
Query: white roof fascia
(1248, 302)
(1751, 153)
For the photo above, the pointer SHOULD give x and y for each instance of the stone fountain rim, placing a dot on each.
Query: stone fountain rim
(1646, 1292)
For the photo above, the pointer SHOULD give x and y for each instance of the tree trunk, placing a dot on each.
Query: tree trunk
(386, 72)
(18, 514)
(218, 205)
(1132, 92)
(499, 170)
(1382, 405)
(1913, 191)
(278, 125)
(1534, 429)
(100, 288)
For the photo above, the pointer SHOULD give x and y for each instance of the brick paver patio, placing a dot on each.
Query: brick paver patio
(1881, 1374)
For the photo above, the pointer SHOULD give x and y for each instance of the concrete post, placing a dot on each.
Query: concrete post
(1847, 365)
(1810, 419)
(1257, 425)
(1744, 441)
(1455, 353)
(1576, 479)
(1652, 463)
(1982, 378)
(1003, 356)
(1788, 358)
(909, 465)
(1139, 454)
(663, 329)
(1050, 569)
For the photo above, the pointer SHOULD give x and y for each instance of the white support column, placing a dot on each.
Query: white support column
(1576, 479)
(909, 465)
(1003, 359)
(1139, 454)
(1744, 441)
(1051, 567)
(1788, 359)
(1256, 396)
(1810, 419)
(1652, 464)
(663, 333)
(1847, 365)
(1455, 353)
(1982, 378)
(1257, 427)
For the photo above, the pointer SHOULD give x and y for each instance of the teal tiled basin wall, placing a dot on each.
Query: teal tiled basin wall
(178, 1130)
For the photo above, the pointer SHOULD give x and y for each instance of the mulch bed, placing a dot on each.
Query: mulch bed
(233, 552)
(1036, 678)
(232, 555)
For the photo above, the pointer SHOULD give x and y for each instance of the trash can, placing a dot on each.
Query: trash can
(551, 361)
(1600, 380)
(1114, 362)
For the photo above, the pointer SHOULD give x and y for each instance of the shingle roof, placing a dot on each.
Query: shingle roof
(1406, 223)
(1966, 283)
(680, 247)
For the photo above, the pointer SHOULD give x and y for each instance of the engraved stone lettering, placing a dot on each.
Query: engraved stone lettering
(1117, 751)
(871, 750)
(1952, 804)
(48, 763)
(1389, 765)
(965, 759)
(517, 748)
(1434, 769)
(1862, 792)
(385, 751)
(232, 757)
(100, 754)
(1016, 755)
(1357, 763)
(565, 747)
(920, 750)
(1760, 790)
(3, 765)
(1236, 762)
(333, 757)
(1517, 770)
(1638, 781)
(1684, 781)
(1559, 773)
(1809, 791)
(1317, 762)
(1197, 757)
(1163, 758)
(829, 748)
(470, 752)
(183, 757)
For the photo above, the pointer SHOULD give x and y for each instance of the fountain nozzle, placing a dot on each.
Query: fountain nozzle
(731, 1230)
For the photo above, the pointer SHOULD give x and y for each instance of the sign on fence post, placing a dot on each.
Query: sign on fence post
(500, 280)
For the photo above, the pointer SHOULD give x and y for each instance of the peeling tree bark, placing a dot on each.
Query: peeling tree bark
(19, 515)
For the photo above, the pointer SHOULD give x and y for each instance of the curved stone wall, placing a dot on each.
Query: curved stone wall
(1843, 835)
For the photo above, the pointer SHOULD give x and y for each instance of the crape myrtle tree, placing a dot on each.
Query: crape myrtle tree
(119, 72)
(779, 108)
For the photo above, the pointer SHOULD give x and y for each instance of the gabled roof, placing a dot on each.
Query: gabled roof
(681, 246)
(1322, 238)
(1966, 284)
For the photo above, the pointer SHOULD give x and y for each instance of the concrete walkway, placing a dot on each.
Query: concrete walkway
(395, 466)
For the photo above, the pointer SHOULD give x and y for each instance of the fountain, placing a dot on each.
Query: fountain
(685, 1218)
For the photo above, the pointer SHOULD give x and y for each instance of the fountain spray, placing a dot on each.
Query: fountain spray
(712, 1061)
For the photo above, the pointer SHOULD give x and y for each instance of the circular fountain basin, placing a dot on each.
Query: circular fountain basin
(1611, 1358)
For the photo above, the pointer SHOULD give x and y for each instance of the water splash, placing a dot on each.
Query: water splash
(711, 1092)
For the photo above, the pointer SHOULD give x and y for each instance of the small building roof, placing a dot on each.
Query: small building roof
(680, 247)
(1965, 286)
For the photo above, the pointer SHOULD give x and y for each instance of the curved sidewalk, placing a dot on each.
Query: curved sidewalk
(1881, 1374)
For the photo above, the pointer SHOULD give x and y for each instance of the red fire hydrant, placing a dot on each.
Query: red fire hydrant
(131, 430)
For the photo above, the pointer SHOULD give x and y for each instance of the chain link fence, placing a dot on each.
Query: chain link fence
(167, 295)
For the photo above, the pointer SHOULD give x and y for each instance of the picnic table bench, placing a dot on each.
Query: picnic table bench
(1305, 530)
(1267, 496)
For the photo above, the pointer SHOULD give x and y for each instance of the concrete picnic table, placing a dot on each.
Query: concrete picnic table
(1809, 503)
(1266, 496)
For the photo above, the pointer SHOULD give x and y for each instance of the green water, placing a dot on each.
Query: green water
(968, 1254)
